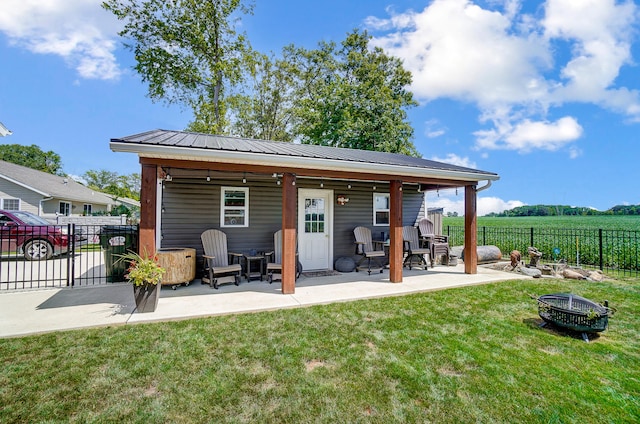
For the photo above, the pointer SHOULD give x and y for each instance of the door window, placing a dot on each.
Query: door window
(314, 215)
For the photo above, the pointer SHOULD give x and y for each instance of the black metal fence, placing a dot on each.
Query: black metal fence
(78, 255)
(613, 251)
(89, 256)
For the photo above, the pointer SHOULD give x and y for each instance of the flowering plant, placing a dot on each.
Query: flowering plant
(142, 270)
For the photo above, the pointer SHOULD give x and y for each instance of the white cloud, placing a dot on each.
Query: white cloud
(528, 135)
(484, 205)
(79, 31)
(510, 65)
(454, 159)
(434, 129)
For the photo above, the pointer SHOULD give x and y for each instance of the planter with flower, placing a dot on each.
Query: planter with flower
(145, 273)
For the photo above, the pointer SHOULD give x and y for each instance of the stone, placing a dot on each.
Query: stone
(546, 270)
(573, 275)
(595, 276)
(532, 272)
(345, 264)
(516, 257)
(534, 256)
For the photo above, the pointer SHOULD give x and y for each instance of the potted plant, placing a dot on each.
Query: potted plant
(145, 273)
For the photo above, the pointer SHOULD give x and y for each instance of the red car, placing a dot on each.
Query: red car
(25, 233)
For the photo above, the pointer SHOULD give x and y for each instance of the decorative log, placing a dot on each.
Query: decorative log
(486, 254)
(179, 264)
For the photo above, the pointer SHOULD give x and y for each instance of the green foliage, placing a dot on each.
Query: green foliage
(32, 157)
(624, 210)
(142, 270)
(188, 51)
(564, 210)
(264, 110)
(353, 96)
(577, 237)
(110, 182)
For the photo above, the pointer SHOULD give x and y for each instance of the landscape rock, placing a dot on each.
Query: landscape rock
(534, 256)
(345, 264)
(516, 257)
(573, 275)
(546, 270)
(532, 272)
(596, 276)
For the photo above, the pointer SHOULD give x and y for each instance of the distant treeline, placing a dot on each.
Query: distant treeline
(563, 210)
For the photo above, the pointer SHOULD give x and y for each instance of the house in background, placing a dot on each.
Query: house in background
(47, 195)
(251, 188)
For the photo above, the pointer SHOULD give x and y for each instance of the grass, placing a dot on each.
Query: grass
(473, 354)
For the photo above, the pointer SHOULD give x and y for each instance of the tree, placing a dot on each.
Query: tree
(353, 97)
(264, 110)
(114, 184)
(32, 157)
(187, 51)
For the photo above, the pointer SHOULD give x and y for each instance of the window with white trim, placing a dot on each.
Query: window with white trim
(86, 210)
(11, 204)
(234, 207)
(64, 208)
(381, 202)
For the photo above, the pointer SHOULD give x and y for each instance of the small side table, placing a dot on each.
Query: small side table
(251, 262)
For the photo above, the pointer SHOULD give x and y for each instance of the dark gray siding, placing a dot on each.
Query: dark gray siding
(192, 206)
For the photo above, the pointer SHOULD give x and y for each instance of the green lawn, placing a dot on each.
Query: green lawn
(473, 354)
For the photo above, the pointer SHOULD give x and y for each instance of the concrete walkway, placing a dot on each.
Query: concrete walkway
(47, 310)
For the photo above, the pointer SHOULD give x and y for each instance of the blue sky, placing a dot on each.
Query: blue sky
(546, 94)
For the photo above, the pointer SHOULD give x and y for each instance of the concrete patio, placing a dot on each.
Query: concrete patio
(47, 310)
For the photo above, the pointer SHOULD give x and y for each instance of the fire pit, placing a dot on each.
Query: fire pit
(575, 313)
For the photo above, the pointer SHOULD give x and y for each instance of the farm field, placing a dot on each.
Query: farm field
(610, 243)
(612, 222)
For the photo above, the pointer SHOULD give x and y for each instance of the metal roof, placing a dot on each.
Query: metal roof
(207, 147)
(49, 185)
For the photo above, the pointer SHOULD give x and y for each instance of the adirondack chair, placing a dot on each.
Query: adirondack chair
(365, 247)
(274, 265)
(413, 248)
(438, 244)
(216, 260)
(427, 231)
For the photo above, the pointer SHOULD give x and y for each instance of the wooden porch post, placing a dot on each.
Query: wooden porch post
(289, 262)
(395, 228)
(148, 202)
(470, 231)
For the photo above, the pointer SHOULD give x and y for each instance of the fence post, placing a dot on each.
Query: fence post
(532, 244)
(600, 249)
(71, 250)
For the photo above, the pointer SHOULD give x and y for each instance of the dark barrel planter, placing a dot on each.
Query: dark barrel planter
(146, 297)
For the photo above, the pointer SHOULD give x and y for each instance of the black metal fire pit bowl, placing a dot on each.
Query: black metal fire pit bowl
(574, 313)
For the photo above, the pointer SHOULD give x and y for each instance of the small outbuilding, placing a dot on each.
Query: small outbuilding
(251, 188)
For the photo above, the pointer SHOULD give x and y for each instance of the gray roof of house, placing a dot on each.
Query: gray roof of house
(49, 185)
(174, 144)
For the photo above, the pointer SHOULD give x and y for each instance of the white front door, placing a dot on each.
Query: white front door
(315, 228)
